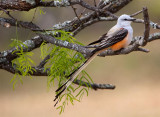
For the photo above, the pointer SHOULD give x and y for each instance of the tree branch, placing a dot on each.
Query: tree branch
(94, 85)
(13, 22)
(8, 66)
(21, 5)
(147, 26)
(26, 5)
(41, 72)
(31, 44)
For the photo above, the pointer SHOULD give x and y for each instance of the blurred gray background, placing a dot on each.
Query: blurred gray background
(136, 75)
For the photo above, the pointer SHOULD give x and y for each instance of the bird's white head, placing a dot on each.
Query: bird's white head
(125, 20)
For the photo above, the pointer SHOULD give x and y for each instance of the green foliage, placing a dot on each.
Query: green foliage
(61, 63)
(23, 63)
(41, 11)
(74, 93)
(15, 79)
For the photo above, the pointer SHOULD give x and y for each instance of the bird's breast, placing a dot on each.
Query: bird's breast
(122, 44)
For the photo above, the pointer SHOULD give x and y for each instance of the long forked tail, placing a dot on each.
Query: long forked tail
(73, 75)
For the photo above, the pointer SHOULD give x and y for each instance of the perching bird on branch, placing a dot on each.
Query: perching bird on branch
(118, 37)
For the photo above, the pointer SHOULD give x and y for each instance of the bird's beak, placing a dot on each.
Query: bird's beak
(131, 19)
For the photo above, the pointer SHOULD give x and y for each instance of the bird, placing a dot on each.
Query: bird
(118, 37)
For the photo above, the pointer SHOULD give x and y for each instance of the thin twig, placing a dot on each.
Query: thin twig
(111, 14)
(143, 50)
(95, 4)
(138, 12)
(85, 5)
(82, 13)
(100, 3)
(147, 26)
(8, 13)
(2, 13)
(34, 15)
(152, 24)
(74, 9)
(44, 61)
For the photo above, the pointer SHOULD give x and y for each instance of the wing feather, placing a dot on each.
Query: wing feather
(113, 38)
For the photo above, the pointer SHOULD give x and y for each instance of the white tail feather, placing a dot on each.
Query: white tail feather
(73, 76)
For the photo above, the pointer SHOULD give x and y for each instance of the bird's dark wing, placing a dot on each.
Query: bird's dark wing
(99, 40)
(107, 41)
(109, 33)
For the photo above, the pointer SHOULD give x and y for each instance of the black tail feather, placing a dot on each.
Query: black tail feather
(97, 41)
(61, 86)
(56, 97)
(56, 103)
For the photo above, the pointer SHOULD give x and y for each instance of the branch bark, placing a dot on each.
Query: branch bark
(147, 26)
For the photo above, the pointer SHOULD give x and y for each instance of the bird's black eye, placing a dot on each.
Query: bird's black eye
(125, 19)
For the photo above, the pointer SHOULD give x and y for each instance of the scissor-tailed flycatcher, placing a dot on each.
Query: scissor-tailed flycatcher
(117, 37)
